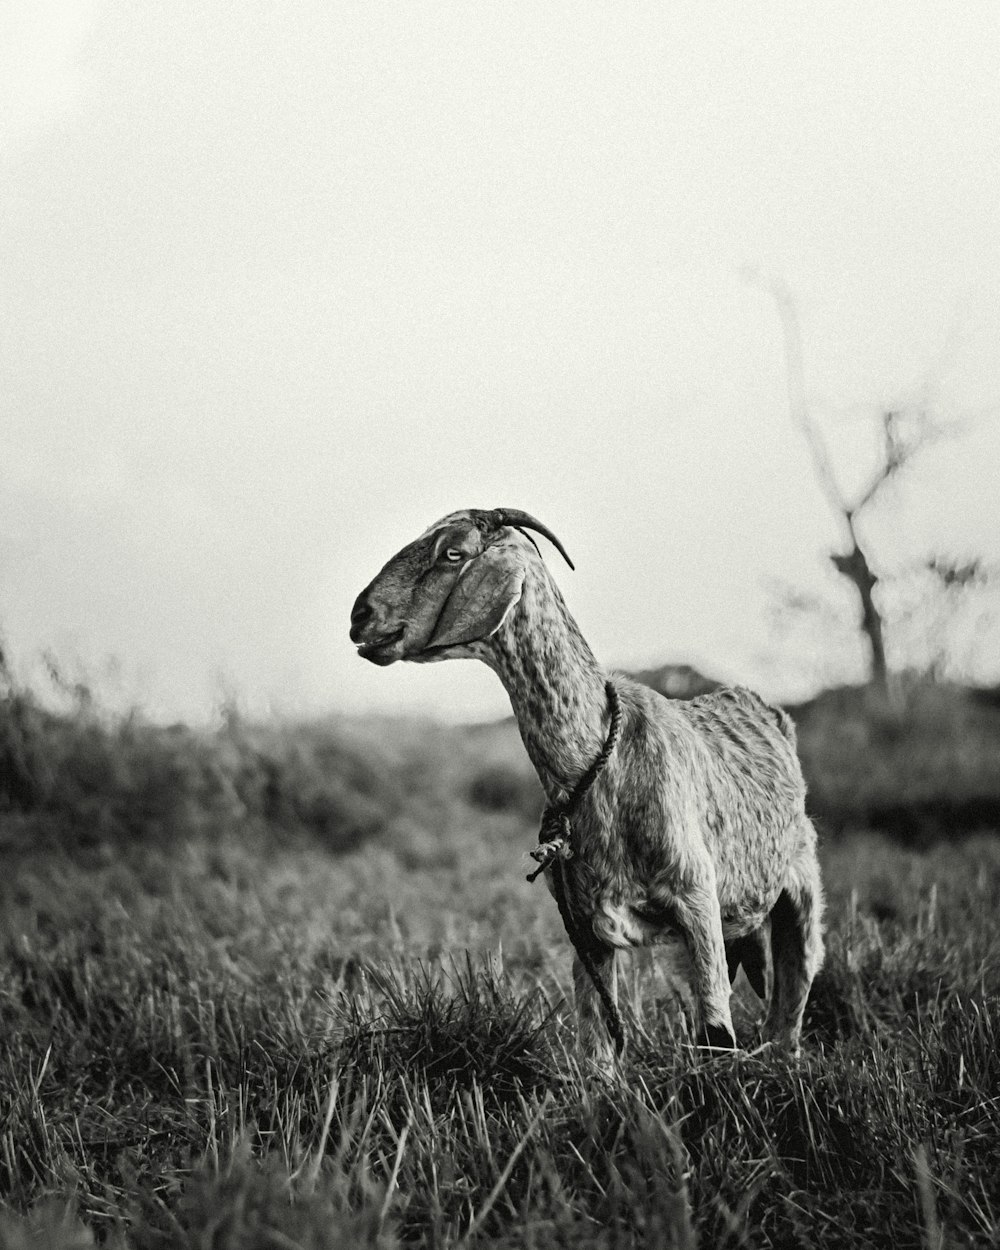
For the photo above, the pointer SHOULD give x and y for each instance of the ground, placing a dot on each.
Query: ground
(248, 1041)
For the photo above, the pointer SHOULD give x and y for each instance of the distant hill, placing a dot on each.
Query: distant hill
(677, 681)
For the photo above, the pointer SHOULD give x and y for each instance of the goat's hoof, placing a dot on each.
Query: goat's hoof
(718, 1037)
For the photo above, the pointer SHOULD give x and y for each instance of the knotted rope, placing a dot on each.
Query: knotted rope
(555, 847)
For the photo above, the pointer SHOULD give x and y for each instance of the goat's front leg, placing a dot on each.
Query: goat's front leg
(697, 912)
(595, 1040)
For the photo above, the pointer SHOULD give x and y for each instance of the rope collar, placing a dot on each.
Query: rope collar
(556, 834)
(555, 846)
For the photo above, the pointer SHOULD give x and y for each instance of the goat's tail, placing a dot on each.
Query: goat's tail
(785, 723)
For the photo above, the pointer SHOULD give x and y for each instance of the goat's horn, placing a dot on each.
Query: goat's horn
(514, 516)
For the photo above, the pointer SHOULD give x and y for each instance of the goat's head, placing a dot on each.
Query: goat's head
(449, 589)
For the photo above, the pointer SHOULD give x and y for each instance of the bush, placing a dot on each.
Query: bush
(504, 788)
(84, 779)
(927, 766)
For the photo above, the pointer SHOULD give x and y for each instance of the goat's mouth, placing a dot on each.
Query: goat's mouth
(382, 650)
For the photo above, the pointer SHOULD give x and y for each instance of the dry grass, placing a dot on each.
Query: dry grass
(269, 1047)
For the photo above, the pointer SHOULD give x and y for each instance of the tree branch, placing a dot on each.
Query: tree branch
(798, 405)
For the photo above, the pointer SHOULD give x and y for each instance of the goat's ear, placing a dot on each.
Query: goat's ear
(486, 591)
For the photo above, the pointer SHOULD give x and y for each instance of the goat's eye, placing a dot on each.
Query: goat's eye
(453, 555)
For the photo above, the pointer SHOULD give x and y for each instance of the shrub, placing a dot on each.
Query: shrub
(504, 788)
(926, 767)
(83, 779)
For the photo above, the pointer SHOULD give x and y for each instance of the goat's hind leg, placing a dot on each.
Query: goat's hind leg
(796, 944)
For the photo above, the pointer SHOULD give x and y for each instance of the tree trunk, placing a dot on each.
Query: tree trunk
(856, 569)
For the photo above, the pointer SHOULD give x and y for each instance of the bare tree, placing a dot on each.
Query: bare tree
(904, 433)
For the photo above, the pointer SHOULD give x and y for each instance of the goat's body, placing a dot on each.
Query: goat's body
(713, 778)
(691, 837)
(694, 834)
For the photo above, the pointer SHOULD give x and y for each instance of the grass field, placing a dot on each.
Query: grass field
(248, 1042)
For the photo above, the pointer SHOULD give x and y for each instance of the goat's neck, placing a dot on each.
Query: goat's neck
(556, 687)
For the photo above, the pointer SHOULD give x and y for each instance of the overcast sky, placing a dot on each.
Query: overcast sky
(281, 284)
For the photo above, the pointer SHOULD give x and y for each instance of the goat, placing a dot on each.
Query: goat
(695, 833)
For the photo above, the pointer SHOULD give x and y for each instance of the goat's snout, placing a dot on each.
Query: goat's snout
(377, 639)
(361, 614)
